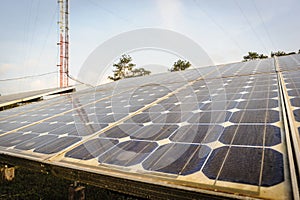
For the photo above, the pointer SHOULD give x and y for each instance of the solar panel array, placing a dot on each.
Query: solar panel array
(218, 128)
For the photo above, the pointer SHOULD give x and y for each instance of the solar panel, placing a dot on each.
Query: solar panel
(290, 65)
(214, 128)
(290, 82)
(12, 99)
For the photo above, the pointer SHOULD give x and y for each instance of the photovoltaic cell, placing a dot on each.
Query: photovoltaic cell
(249, 167)
(36, 142)
(196, 133)
(92, 149)
(128, 153)
(57, 145)
(191, 158)
(251, 135)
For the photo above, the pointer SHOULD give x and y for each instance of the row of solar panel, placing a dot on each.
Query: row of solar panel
(78, 124)
(223, 122)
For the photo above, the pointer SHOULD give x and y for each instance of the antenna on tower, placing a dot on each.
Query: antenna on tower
(63, 43)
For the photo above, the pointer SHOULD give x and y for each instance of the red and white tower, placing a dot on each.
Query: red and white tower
(63, 43)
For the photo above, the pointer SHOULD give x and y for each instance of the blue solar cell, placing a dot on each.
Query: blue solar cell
(11, 125)
(252, 135)
(260, 95)
(197, 133)
(214, 162)
(273, 168)
(258, 104)
(170, 117)
(128, 153)
(243, 165)
(297, 115)
(294, 92)
(295, 102)
(36, 142)
(109, 118)
(154, 132)
(10, 140)
(180, 159)
(255, 116)
(91, 149)
(210, 117)
(121, 131)
(57, 145)
(220, 105)
(44, 127)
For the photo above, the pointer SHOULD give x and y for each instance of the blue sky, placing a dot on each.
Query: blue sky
(225, 29)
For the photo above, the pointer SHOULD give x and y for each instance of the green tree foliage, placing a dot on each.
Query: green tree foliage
(281, 53)
(291, 53)
(124, 69)
(254, 56)
(278, 53)
(251, 56)
(262, 56)
(180, 65)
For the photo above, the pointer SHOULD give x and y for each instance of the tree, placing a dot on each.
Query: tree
(254, 56)
(123, 68)
(180, 65)
(278, 53)
(262, 56)
(282, 53)
(291, 53)
(299, 51)
(251, 56)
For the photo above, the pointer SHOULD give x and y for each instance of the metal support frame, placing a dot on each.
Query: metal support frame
(118, 184)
